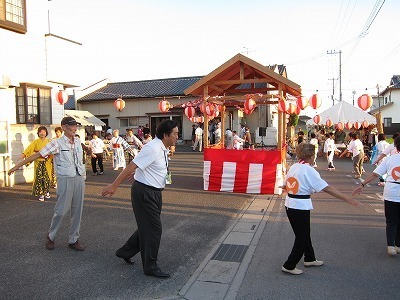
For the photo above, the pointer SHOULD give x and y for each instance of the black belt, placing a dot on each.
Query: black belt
(148, 186)
(299, 196)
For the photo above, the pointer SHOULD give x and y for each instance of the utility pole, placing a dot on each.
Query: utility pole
(333, 90)
(340, 71)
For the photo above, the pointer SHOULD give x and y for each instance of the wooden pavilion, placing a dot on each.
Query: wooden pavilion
(228, 86)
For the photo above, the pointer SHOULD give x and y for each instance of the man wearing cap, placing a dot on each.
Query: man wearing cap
(71, 175)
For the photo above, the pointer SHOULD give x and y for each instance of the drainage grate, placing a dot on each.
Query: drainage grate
(229, 252)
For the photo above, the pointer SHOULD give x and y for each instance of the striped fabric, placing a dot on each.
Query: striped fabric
(243, 171)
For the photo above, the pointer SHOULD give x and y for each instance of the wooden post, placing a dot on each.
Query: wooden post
(223, 126)
(378, 117)
(205, 131)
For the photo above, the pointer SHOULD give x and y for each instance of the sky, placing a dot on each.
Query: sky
(130, 40)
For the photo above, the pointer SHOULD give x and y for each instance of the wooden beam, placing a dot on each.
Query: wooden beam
(241, 70)
(241, 81)
(217, 88)
(205, 127)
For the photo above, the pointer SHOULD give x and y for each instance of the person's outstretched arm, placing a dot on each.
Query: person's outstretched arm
(370, 178)
(335, 193)
(24, 161)
(110, 189)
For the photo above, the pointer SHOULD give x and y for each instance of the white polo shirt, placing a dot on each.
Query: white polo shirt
(302, 179)
(355, 147)
(391, 167)
(390, 150)
(152, 162)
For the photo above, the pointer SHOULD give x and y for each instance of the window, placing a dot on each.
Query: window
(13, 15)
(133, 121)
(33, 105)
(387, 122)
(123, 122)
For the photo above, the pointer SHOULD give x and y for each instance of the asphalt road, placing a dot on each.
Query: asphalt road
(193, 221)
(350, 240)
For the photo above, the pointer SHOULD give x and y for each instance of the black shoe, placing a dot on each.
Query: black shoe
(159, 274)
(127, 260)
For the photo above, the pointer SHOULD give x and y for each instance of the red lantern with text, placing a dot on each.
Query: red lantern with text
(164, 106)
(315, 101)
(119, 104)
(348, 125)
(357, 125)
(190, 111)
(302, 102)
(62, 97)
(339, 126)
(317, 119)
(283, 105)
(365, 124)
(250, 104)
(329, 123)
(364, 101)
(210, 109)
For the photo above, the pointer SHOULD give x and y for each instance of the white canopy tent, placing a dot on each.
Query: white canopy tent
(344, 112)
(85, 118)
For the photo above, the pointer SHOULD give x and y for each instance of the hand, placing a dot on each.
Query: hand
(108, 191)
(94, 155)
(357, 190)
(355, 202)
(12, 170)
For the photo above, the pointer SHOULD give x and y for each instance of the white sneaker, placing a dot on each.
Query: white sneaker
(47, 196)
(295, 271)
(115, 169)
(41, 198)
(392, 250)
(315, 263)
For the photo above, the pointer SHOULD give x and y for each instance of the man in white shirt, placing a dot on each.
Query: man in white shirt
(198, 139)
(97, 146)
(329, 150)
(389, 150)
(356, 147)
(150, 172)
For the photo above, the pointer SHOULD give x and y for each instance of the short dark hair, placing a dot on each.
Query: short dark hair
(58, 129)
(42, 128)
(381, 137)
(305, 150)
(165, 127)
(397, 143)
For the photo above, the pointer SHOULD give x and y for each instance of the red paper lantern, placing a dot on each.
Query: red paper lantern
(246, 111)
(200, 119)
(291, 109)
(317, 119)
(364, 101)
(365, 123)
(315, 101)
(210, 109)
(348, 125)
(250, 104)
(357, 125)
(62, 97)
(119, 104)
(283, 105)
(216, 113)
(339, 126)
(302, 102)
(190, 111)
(164, 106)
(329, 123)
(202, 108)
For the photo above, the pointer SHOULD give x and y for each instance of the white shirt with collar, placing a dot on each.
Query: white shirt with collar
(152, 163)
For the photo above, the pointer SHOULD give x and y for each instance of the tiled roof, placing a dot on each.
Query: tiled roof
(395, 81)
(70, 104)
(142, 89)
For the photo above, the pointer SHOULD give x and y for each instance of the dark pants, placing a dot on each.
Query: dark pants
(300, 222)
(147, 204)
(99, 158)
(392, 214)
